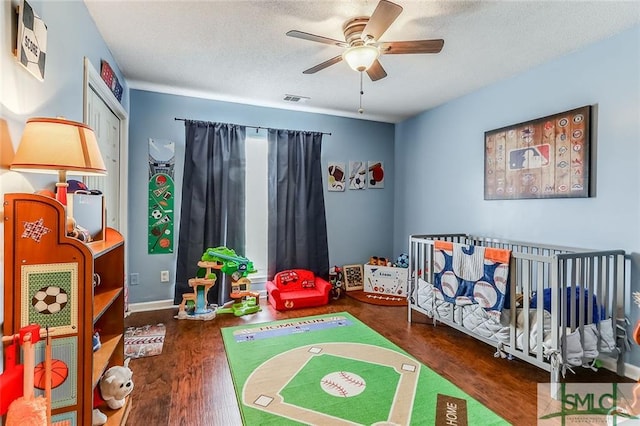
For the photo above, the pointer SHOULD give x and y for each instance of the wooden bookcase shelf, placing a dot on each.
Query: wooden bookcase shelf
(102, 357)
(39, 255)
(117, 417)
(102, 302)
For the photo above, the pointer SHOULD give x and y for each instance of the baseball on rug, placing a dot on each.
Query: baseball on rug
(333, 369)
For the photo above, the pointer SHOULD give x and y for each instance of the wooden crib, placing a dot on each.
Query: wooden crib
(589, 284)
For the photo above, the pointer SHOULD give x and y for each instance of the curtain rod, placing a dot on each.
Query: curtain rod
(253, 127)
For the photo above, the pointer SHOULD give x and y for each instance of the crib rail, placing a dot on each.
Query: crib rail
(563, 280)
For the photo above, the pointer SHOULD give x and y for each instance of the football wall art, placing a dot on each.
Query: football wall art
(336, 176)
(543, 158)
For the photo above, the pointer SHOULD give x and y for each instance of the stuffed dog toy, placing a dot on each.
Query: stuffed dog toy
(115, 384)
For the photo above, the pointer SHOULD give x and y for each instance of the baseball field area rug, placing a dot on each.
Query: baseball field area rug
(334, 370)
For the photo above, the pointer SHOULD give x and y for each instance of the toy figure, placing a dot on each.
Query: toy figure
(336, 279)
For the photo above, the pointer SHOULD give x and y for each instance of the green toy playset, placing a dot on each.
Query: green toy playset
(194, 305)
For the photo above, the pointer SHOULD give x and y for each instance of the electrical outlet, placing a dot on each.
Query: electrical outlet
(164, 276)
(135, 279)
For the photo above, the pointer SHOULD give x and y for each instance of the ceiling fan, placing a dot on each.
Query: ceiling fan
(363, 45)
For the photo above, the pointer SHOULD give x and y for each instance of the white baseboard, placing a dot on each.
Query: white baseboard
(630, 371)
(151, 306)
(158, 305)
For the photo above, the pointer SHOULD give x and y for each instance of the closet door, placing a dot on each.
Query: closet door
(106, 126)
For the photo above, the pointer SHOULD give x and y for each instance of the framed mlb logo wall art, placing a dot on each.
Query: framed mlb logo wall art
(31, 49)
(543, 158)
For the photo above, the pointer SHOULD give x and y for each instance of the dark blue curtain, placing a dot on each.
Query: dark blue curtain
(213, 200)
(297, 234)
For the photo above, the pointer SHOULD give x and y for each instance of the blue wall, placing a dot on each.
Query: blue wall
(359, 223)
(434, 175)
(440, 157)
(71, 36)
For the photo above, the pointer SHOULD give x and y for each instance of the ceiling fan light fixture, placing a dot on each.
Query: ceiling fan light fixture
(360, 58)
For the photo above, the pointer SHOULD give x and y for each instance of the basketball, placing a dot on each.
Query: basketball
(59, 373)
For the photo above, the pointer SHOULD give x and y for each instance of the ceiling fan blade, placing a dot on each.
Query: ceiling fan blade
(319, 39)
(323, 65)
(381, 19)
(376, 72)
(415, 46)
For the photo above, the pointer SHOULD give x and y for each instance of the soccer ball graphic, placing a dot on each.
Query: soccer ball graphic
(156, 214)
(358, 181)
(403, 260)
(49, 300)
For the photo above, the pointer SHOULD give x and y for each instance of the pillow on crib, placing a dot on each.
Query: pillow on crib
(573, 350)
(546, 297)
(607, 338)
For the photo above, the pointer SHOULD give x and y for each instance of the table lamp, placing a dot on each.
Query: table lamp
(55, 145)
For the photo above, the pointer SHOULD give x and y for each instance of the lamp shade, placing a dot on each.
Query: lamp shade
(54, 145)
(360, 58)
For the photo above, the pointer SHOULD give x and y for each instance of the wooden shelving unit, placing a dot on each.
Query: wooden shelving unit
(39, 255)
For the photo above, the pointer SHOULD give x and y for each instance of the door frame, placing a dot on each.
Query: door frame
(92, 81)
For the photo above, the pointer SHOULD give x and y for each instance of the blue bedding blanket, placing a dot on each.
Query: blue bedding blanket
(577, 295)
(467, 274)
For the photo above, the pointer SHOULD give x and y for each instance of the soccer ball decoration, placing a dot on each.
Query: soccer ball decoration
(403, 260)
(32, 41)
(49, 300)
(156, 214)
(359, 181)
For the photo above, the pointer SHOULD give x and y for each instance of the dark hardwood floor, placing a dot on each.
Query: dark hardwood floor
(190, 383)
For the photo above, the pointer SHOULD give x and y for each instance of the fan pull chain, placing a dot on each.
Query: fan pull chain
(361, 110)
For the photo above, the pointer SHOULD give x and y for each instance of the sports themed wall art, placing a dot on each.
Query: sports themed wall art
(161, 195)
(31, 49)
(111, 79)
(357, 175)
(376, 175)
(353, 277)
(543, 158)
(336, 176)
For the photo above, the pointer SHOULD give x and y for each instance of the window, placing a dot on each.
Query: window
(256, 202)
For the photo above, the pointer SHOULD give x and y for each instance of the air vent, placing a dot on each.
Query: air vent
(296, 98)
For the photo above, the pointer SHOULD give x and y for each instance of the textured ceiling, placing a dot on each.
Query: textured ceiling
(237, 50)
